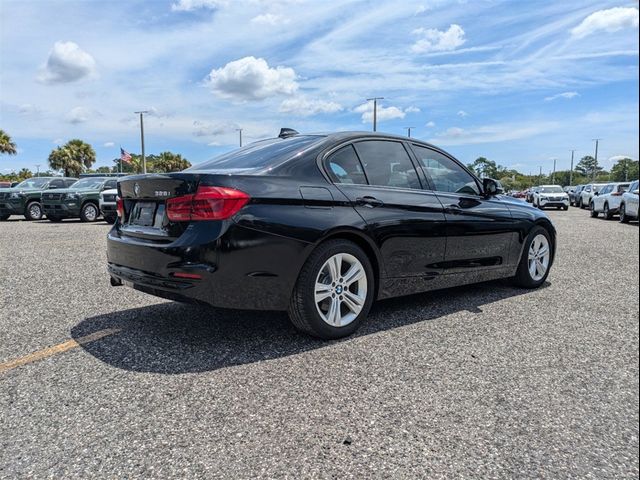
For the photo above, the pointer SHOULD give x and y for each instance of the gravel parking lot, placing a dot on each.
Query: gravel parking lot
(475, 382)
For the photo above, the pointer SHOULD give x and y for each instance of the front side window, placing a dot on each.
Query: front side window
(345, 166)
(387, 164)
(446, 175)
(56, 184)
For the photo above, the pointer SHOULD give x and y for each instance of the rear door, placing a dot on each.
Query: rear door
(384, 186)
(479, 229)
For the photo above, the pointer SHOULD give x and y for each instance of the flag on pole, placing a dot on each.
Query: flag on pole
(125, 156)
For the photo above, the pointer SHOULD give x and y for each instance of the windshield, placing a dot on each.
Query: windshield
(88, 184)
(33, 183)
(552, 189)
(260, 155)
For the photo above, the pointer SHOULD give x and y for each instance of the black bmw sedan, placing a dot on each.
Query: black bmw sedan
(321, 226)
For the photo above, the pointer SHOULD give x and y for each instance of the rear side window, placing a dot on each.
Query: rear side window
(387, 164)
(110, 184)
(623, 187)
(446, 175)
(345, 166)
(56, 184)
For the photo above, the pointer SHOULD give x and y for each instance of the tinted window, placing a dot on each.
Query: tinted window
(345, 166)
(445, 174)
(623, 187)
(56, 184)
(551, 189)
(260, 155)
(387, 164)
(606, 189)
(110, 184)
(70, 182)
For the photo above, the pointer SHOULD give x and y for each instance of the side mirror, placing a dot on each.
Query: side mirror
(491, 187)
(635, 192)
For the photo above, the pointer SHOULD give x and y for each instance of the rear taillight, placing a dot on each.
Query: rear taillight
(120, 208)
(208, 203)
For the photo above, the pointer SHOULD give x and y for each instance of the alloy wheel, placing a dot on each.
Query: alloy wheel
(90, 212)
(340, 290)
(35, 211)
(539, 256)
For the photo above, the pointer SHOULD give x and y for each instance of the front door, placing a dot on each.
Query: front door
(479, 229)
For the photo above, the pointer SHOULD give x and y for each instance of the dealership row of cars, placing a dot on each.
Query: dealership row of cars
(608, 199)
(58, 198)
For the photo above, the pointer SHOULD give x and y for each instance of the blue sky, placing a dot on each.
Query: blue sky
(520, 82)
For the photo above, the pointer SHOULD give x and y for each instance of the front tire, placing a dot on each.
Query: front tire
(581, 204)
(33, 211)
(334, 291)
(535, 262)
(594, 212)
(89, 212)
(607, 213)
(623, 214)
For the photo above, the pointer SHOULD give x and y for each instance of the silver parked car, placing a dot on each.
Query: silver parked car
(607, 201)
(588, 192)
(629, 203)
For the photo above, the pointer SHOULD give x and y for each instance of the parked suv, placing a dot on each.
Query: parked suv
(575, 195)
(550, 196)
(629, 203)
(108, 205)
(24, 198)
(79, 201)
(588, 192)
(607, 200)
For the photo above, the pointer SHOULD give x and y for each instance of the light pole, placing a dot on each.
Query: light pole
(144, 162)
(540, 176)
(593, 175)
(37, 169)
(239, 130)
(571, 171)
(408, 129)
(375, 110)
(553, 176)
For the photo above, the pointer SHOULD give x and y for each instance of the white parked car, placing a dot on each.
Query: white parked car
(629, 203)
(108, 205)
(607, 201)
(588, 192)
(550, 196)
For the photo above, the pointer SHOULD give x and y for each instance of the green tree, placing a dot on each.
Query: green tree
(24, 173)
(170, 162)
(484, 167)
(73, 157)
(588, 166)
(624, 170)
(103, 170)
(7, 146)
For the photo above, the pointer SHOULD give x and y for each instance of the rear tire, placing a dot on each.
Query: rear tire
(580, 204)
(33, 211)
(315, 281)
(565, 208)
(523, 277)
(607, 213)
(623, 214)
(89, 213)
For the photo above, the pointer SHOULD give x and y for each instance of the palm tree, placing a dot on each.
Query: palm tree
(6, 145)
(73, 157)
(170, 162)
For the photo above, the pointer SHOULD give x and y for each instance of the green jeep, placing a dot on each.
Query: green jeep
(80, 201)
(25, 198)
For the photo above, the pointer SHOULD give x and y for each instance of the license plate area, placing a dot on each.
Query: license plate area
(144, 214)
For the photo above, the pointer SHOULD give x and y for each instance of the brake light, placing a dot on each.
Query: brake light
(208, 203)
(120, 208)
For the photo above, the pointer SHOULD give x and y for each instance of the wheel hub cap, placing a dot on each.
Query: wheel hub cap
(341, 290)
(539, 256)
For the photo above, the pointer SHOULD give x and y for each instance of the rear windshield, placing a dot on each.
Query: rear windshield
(260, 155)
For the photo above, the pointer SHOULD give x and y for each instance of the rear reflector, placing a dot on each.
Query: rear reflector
(208, 203)
(191, 276)
(120, 208)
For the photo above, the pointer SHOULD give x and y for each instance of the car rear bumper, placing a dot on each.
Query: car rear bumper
(238, 267)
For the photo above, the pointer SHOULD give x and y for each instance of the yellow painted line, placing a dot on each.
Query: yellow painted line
(56, 349)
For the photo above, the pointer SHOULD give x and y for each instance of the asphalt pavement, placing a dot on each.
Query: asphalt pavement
(485, 381)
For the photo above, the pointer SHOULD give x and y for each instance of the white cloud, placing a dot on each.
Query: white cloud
(304, 107)
(434, 40)
(617, 158)
(494, 133)
(57, 141)
(383, 113)
(272, 19)
(462, 113)
(207, 129)
(411, 109)
(430, 124)
(610, 20)
(420, 9)
(251, 78)
(190, 5)
(67, 62)
(567, 95)
(78, 115)
(108, 144)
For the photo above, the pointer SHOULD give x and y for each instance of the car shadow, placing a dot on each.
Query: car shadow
(174, 338)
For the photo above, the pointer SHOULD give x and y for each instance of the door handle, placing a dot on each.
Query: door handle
(368, 201)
